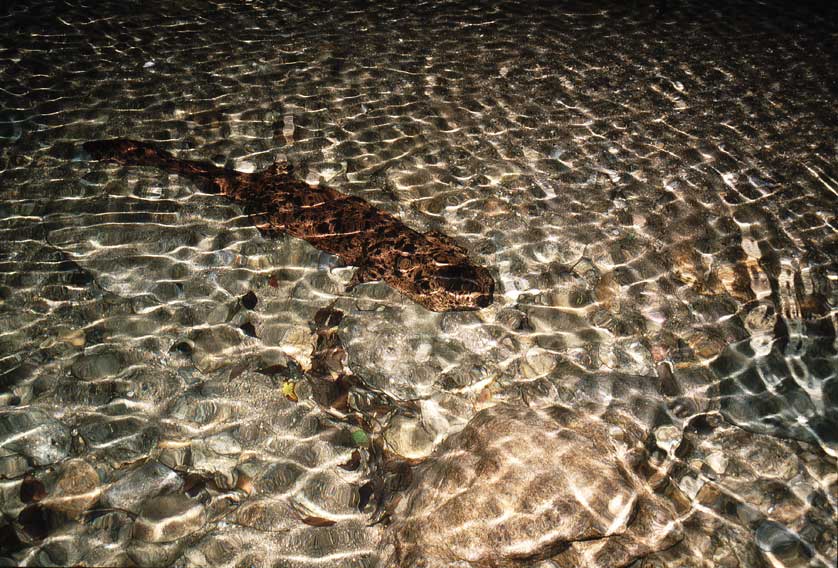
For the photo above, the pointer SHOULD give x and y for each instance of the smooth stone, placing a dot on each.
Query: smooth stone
(409, 438)
(175, 456)
(298, 343)
(77, 489)
(149, 480)
(224, 444)
(690, 486)
(213, 347)
(267, 515)
(97, 366)
(35, 435)
(760, 320)
(152, 555)
(777, 540)
(717, 461)
(114, 526)
(538, 363)
(668, 438)
(12, 466)
(169, 518)
(75, 338)
(217, 456)
(58, 553)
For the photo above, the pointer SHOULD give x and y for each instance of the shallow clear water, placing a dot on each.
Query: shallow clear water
(654, 188)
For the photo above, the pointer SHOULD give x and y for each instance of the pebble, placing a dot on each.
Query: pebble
(668, 438)
(149, 480)
(211, 347)
(175, 456)
(778, 541)
(97, 366)
(717, 461)
(152, 555)
(538, 362)
(690, 486)
(267, 515)
(407, 437)
(12, 466)
(217, 456)
(288, 128)
(627, 356)
(607, 291)
(169, 518)
(77, 489)
(34, 435)
(75, 338)
(297, 343)
(760, 320)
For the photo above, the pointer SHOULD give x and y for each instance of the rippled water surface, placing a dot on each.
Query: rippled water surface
(654, 188)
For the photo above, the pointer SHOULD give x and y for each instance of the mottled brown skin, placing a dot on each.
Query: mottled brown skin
(428, 268)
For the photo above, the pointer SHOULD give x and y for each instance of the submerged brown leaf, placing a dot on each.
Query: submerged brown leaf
(317, 521)
(353, 463)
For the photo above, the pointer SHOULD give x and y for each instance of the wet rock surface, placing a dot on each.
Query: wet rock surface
(33, 435)
(784, 386)
(169, 518)
(149, 480)
(76, 490)
(518, 484)
(650, 184)
(754, 500)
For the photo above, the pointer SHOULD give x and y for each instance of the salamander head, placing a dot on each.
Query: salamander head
(441, 277)
(457, 287)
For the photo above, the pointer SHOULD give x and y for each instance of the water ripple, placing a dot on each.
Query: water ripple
(653, 186)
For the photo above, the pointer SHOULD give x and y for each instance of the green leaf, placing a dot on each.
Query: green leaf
(360, 438)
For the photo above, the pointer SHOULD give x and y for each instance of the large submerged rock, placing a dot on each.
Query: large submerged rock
(522, 484)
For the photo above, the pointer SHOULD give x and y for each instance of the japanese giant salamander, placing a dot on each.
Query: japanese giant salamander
(429, 268)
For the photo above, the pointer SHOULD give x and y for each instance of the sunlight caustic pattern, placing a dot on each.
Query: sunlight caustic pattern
(652, 187)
